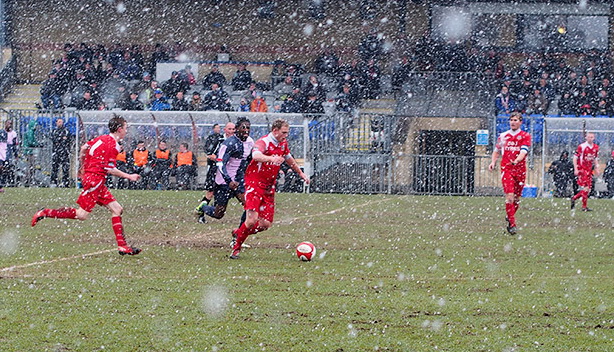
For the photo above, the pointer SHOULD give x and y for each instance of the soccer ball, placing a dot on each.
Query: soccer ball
(305, 251)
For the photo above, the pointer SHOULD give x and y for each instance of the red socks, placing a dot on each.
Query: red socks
(510, 210)
(584, 195)
(61, 213)
(118, 229)
(584, 199)
(243, 231)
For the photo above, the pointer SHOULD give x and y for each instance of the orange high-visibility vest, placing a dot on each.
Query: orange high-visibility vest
(184, 158)
(121, 156)
(162, 154)
(140, 157)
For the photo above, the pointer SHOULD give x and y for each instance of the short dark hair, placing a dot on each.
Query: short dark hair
(186, 145)
(115, 123)
(517, 115)
(241, 120)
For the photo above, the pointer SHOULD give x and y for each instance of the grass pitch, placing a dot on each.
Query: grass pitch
(392, 273)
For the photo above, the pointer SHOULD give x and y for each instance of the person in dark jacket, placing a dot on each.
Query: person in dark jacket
(608, 176)
(61, 140)
(179, 103)
(242, 78)
(562, 174)
(217, 99)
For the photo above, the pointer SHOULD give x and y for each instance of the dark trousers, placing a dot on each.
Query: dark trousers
(57, 163)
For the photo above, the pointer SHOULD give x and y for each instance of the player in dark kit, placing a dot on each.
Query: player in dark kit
(513, 146)
(233, 157)
(585, 160)
(97, 158)
(268, 154)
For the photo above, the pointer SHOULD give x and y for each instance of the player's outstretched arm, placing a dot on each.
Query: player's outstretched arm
(119, 173)
(294, 166)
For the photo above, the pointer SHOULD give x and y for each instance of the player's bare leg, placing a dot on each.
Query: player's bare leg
(118, 228)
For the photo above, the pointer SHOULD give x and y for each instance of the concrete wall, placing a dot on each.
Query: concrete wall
(41, 27)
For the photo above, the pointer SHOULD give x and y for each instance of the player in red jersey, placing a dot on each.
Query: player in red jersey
(584, 161)
(513, 146)
(268, 154)
(97, 158)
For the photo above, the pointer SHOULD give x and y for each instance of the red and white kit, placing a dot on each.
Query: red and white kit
(586, 156)
(509, 144)
(260, 177)
(100, 157)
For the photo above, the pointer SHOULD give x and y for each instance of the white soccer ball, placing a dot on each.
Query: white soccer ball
(305, 251)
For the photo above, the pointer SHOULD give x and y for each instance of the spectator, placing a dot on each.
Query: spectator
(89, 101)
(196, 104)
(567, 105)
(114, 87)
(159, 55)
(371, 47)
(608, 176)
(30, 151)
(347, 100)
(562, 175)
(131, 102)
(312, 105)
(3, 159)
(128, 68)
(242, 78)
(159, 103)
(370, 80)
(187, 75)
(243, 105)
(148, 95)
(144, 83)
(546, 89)
(327, 63)
(401, 72)
(61, 141)
(538, 103)
(295, 73)
(179, 103)
(185, 164)
(603, 104)
(258, 104)
(290, 105)
(52, 91)
(116, 54)
(161, 166)
(175, 84)
(314, 86)
(251, 92)
(504, 102)
(217, 99)
(140, 160)
(215, 76)
(283, 89)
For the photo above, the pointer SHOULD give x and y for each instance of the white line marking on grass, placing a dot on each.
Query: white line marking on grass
(42, 262)
(286, 222)
(290, 221)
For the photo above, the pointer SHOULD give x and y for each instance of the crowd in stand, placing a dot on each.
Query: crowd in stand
(548, 85)
(123, 78)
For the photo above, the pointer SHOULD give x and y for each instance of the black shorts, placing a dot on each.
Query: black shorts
(223, 194)
(210, 179)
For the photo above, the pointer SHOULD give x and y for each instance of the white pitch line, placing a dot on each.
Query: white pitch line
(42, 262)
(290, 221)
(287, 221)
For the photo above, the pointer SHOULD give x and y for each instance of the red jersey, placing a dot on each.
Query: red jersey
(586, 156)
(266, 173)
(101, 155)
(509, 144)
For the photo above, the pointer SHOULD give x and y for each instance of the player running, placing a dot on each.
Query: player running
(268, 154)
(97, 159)
(584, 162)
(232, 159)
(513, 145)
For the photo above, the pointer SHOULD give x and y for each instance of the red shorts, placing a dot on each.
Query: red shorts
(585, 178)
(513, 181)
(261, 199)
(94, 192)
